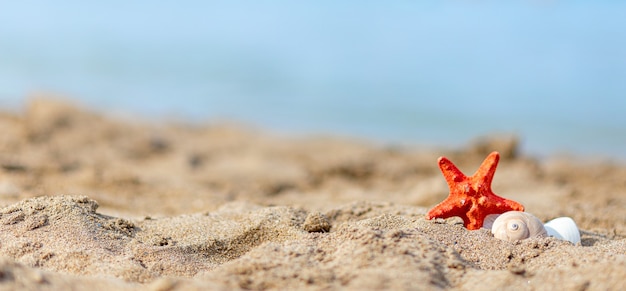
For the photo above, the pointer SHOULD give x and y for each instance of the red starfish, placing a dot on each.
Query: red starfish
(471, 198)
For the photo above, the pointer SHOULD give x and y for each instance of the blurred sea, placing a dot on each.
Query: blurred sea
(434, 73)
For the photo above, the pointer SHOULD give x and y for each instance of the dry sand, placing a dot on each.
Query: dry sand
(92, 202)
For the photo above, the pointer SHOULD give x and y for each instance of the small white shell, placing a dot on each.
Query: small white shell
(489, 219)
(563, 228)
(516, 225)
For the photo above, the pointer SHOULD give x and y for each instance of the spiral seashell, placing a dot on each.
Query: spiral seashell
(515, 225)
(563, 228)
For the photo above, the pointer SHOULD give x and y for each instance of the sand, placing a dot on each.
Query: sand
(91, 201)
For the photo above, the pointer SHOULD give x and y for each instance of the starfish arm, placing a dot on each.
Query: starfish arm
(512, 205)
(450, 172)
(448, 208)
(476, 217)
(487, 169)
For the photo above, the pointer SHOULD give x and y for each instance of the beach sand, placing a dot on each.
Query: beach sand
(90, 201)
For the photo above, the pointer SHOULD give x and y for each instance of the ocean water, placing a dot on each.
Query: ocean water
(434, 73)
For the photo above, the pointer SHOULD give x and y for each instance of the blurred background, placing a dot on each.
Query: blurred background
(429, 73)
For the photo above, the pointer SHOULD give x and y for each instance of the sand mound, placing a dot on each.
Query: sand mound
(65, 234)
(371, 246)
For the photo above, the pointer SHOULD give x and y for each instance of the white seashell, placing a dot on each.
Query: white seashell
(563, 228)
(489, 219)
(516, 225)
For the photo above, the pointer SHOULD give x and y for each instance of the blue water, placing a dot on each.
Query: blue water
(436, 73)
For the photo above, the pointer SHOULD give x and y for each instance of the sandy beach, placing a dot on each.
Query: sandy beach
(91, 201)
